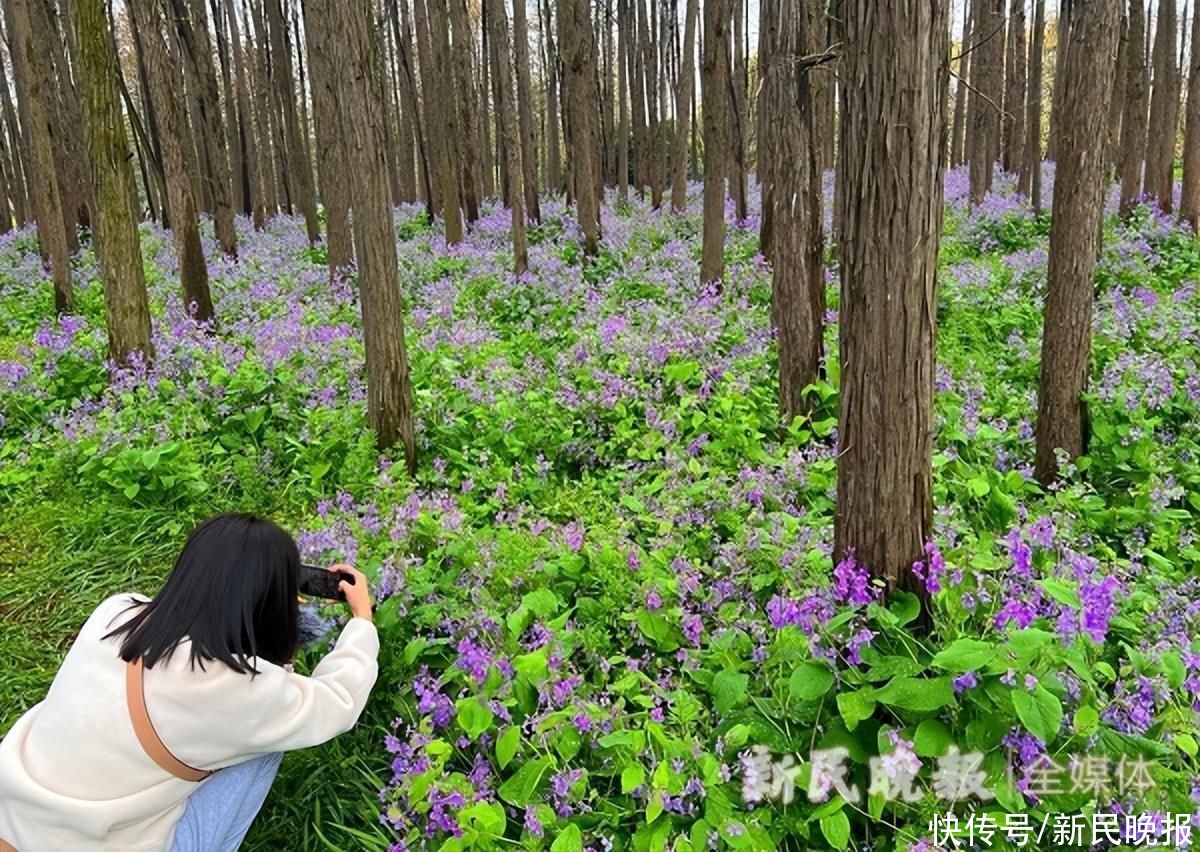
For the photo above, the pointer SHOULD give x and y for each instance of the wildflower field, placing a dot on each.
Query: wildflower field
(611, 579)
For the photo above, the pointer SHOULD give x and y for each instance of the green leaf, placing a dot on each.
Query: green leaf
(729, 689)
(905, 606)
(921, 695)
(541, 602)
(533, 665)
(570, 839)
(810, 681)
(473, 716)
(632, 777)
(487, 816)
(979, 486)
(654, 807)
(1087, 719)
(1062, 591)
(1039, 711)
(734, 833)
(965, 655)
(856, 706)
(150, 458)
(1186, 744)
(932, 739)
(507, 744)
(836, 829)
(520, 789)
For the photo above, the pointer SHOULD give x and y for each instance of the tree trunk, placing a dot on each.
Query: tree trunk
(987, 73)
(19, 164)
(1074, 239)
(299, 168)
(468, 138)
(798, 281)
(637, 99)
(443, 82)
(485, 110)
(578, 56)
(962, 76)
(34, 85)
(737, 114)
(252, 180)
(332, 165)
(895, 73)
(715, 86)
(389, 388)
(653, 138)
(1014, 89)
(117, 244)
(419, 117)
(1030, 181)
(525, 108)
(185, 226)
(506, 117)
(1164, 106)
(1189, 205)
(553, 146)
(191, 18)
(269, 188)
(683, 101)
(1134, 121)
(622, 102)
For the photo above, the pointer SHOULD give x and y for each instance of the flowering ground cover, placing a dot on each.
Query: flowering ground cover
(611, 579)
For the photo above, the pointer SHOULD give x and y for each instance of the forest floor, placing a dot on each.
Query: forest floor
(611, 575)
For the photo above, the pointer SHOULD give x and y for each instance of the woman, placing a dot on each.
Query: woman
(154, 694)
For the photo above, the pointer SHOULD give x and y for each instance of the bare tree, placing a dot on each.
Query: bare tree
(297, 164)
(117, 244)
(987, 74)
(34, 83)
(714, 81)
(470, 155)
(958, 133)
(894, 77)
(525, 108)
(1164, 109)
(1134, 123)
(578, 56)
(185, 225)
(1074, 237)
(506, 116)
(389, 387)
(1014, 89)
(683, 101)
(1189, 205)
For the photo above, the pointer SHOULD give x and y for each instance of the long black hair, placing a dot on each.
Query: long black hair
(232, 592)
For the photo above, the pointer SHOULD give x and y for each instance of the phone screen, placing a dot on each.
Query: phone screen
(317, 582)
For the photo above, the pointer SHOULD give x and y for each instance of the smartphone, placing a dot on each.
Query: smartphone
(317, 582)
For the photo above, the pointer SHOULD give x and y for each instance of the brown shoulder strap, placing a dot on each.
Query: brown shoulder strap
(135, 696)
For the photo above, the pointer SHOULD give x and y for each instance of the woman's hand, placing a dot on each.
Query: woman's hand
(358, 593)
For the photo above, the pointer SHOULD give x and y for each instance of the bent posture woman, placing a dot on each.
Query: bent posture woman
(163, 728)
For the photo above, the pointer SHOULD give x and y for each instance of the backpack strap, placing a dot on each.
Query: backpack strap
(135, 696)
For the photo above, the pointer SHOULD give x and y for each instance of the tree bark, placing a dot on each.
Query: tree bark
(622, 102)
(1030, 180)
(470, 155)
(299, 169)
(895, 72)
(737, 114)
(715, 86)
(252, 180)
(1074, 238)
(19, 164)
(962, 76)
(332, 165)
(653, 138)
(798, 280)
(1014, 89)
(578, 56)
(389, 388)
(637, 99)
(987, 64)
(553, 146)
(270, 189)
(419, 117)
(185, 225)
(1164, 107)
(683, 102)
(191, 18)
(32, 73)
(1189, 205)
(506, 117)
(1134, 123)
(117, 244)
(525, 109)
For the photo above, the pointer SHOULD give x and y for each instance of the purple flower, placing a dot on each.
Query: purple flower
(852, 583)
(963, 682)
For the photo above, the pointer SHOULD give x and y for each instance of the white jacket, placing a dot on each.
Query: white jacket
(74, 777)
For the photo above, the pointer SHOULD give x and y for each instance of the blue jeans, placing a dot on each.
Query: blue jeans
(220, 810)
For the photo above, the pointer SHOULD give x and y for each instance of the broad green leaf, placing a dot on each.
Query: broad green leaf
(520, 789)
(1039, 711)
(921, 695)
(856, 706)
(729, 689)
(965, 655)
(1087, 719)
(810, 681)
(570, 839)
(836, 829)
(932, 739)
(507, 744)
(473, 716)
(632, 777)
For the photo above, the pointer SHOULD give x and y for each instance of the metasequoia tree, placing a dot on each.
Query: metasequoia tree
(34, 85)
(506, 116)
(117, 244)
(1074, 238)
(151, 16)
(987, 77)
(578, 57)
(1029, 182)
(525, 110)
(360, 96)
(894, 77)
(1013, 148)
(1189, 205)
(798, 280)
(683, 101)
(715, 85)
(1164, 109)
(1134, 123)
(332, 167)
(296, 161)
